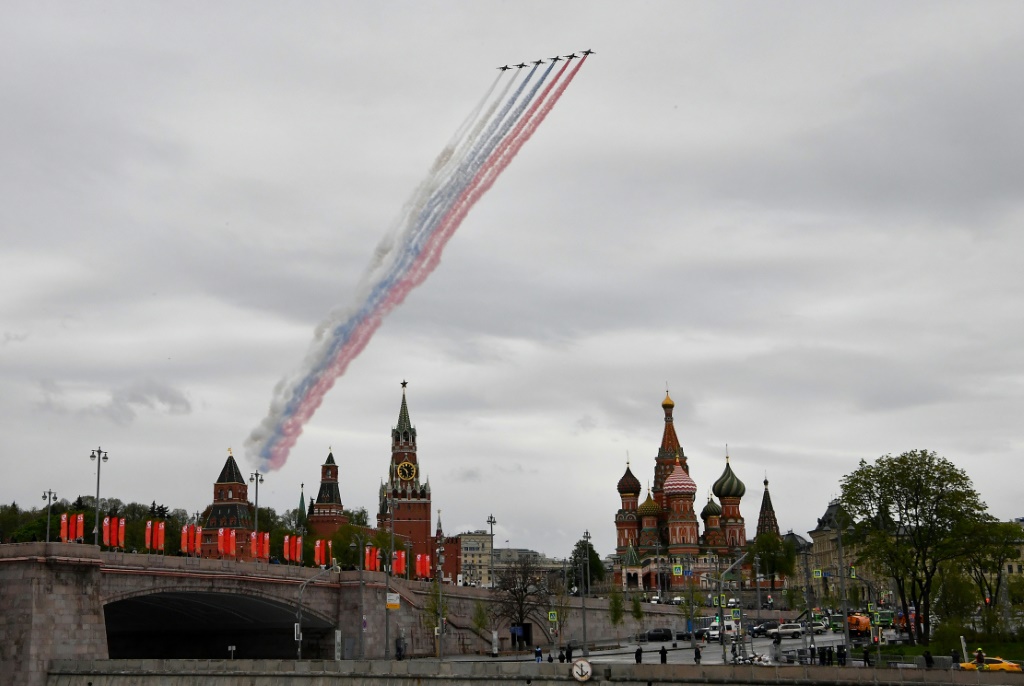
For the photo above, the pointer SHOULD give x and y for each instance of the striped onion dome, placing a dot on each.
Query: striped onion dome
(649, 508)
(728, 485)
(679, 481)
(712, 509)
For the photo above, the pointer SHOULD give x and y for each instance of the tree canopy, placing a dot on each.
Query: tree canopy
(910, 513)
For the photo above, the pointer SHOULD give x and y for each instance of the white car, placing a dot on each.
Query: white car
(786, 631)
(819, 627)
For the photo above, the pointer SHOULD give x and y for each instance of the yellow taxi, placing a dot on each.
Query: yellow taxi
(993, 664)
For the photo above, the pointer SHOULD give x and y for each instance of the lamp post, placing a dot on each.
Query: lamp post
(387, 579)
(362, 616)
(492, 521)
(440, 597)
(721, 609)
(257, 478)
(842, 580)
(49, 497)
(586, 586)
(298, 613)
(100, 458)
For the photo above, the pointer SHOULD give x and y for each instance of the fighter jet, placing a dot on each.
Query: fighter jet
(587, 52)
(538, 61)
(556, 58)
(505, 68)
(520, 65)
(572, 56)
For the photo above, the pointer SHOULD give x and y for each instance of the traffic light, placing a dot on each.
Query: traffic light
(988, 602)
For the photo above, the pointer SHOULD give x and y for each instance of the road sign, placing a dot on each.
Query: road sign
(298, 631)
(736, 614)
(688, 572)
(394, 601)
(553, 616)
(677, 570)
(817, 573)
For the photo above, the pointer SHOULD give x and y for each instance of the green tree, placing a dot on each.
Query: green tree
(481, 618)
(616, 610)
(774, 556)
(910, 513)
(636, 610)
(989, 546)
(584, 557)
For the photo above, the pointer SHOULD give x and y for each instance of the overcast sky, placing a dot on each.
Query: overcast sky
(803, 219)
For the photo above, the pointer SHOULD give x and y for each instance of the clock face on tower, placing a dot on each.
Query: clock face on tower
(407, 471)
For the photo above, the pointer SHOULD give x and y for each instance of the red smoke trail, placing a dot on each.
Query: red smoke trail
(426, 263)
(481, 184)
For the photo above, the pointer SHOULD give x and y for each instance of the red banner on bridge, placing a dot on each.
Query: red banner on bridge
(149, 534)
(64, 527)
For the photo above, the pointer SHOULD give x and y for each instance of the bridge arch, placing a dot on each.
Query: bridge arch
(202, 623)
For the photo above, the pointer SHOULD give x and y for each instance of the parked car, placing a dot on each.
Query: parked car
(700, 633)
(762, 628)
(662, 634)
(733, 602)
(994, 664)
(786, 631)
(682, 635)
(818, 627)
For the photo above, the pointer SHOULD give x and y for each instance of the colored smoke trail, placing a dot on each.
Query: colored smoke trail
(482, 147)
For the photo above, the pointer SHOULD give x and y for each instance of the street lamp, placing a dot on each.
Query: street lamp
(492, 521)
(100, 458)
(842, 579)
(298, 614)
(49, 497)
(362, 616)
(257, 478)
(586, 587)
(387, 579)
(721, 608)
(440, 597)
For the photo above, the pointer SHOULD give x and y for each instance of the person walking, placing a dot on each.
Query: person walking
(867, 656)
(841, 654)
(664, 654)
(955, 654)
(696, 655)
(538, 654)
(979, 658)
(639, 654)
(828, 655)
(568, 653)
(929, 661)
(561, 656)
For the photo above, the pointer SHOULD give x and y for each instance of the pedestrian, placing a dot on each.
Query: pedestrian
(551, 657)
(639, 654)
(734, 651)
(929, 661)
(696, 655)
(664, 654)
(841, 654)
(538, 654)
(979, 657)
(568, 653)
(812, 657)
(956, 658)
(828, 655)
(867, 656)
(561, 656)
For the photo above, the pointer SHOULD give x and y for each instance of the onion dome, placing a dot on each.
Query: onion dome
(728, 485)
(678, 482)
(667, 402)
(649, 508)
(629, 484)
(712, 509)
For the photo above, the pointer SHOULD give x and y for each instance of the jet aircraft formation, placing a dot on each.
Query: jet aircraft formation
(556, 58)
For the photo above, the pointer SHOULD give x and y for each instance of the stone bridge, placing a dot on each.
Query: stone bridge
(65, 601)
(71, 601)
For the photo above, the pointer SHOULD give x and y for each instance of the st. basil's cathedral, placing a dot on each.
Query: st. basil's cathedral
(659, 544)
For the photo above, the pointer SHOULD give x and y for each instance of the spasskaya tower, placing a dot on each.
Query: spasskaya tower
(409, 498)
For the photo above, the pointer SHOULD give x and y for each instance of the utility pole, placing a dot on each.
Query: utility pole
(721, 610)
(100, 458)
(586, 586)
(387, 579)
(492, 521)
(49, 497)
(257, 478)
